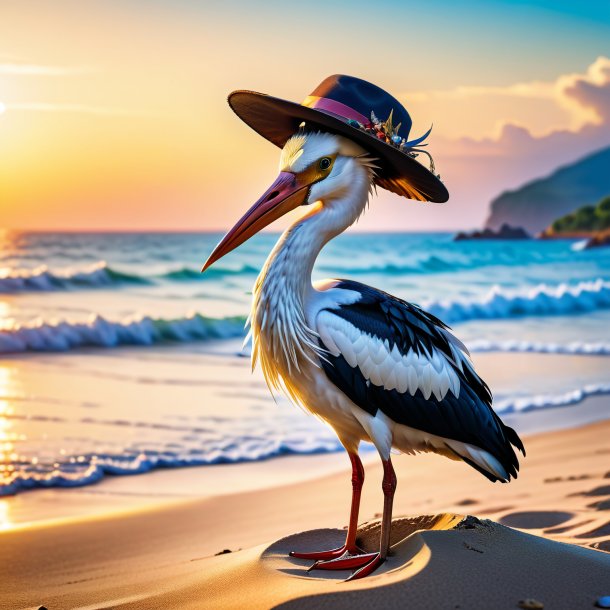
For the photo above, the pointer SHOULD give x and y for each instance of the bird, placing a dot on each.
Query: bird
(374, 367)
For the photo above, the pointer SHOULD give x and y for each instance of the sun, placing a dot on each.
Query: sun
(2, 108)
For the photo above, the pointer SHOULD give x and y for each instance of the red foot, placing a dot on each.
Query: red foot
(344, 563)
(320, 555)
(368, 568)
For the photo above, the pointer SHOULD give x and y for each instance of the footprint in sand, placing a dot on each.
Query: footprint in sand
(567, 528)
(575, 477)
(602, 490)
(536, 519)
(602, 530)
(600, 505)
(466, 502)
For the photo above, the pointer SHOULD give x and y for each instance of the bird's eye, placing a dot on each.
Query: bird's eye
(325, 163)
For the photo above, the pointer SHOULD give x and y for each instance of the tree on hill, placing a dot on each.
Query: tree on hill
(587, 218)
(603, 210)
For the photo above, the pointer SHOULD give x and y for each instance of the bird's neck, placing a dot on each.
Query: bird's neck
(281, 335)
(289, 267)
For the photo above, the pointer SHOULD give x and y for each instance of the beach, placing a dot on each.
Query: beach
(240, 245)
(137, 444)
(162, 554)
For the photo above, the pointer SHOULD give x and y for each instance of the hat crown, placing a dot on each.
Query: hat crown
(342, 105)
(364, 97)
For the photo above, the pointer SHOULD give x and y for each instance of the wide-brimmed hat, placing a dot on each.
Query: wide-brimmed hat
(358, 110)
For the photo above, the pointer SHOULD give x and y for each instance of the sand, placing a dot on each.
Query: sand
(543, 540)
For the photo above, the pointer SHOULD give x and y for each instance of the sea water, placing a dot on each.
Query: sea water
(67, 299)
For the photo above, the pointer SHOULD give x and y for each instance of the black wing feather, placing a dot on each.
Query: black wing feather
(469, 418)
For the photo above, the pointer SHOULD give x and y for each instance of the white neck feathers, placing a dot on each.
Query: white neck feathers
(281, 339)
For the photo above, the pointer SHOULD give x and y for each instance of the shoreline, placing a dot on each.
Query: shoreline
(146, 552)
(116, 495)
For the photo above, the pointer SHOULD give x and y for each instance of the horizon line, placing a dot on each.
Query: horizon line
(214, 231)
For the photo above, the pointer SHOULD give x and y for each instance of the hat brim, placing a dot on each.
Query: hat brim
(277, 120)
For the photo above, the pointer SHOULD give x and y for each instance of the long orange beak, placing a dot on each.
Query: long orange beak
(285, 194)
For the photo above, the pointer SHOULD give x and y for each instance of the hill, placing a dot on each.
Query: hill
(537, 204)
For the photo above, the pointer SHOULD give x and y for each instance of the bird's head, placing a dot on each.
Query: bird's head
(314, 167)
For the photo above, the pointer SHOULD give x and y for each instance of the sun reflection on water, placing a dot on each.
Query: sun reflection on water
(8, 454)
(8, 247)
(5, 313)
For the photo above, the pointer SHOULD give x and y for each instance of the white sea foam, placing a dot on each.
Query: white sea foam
(215, 441)
(538, 347)
(102, 275)
(99, 332)
(42, 335)
(579, 246)
(221, 440)
(43, 279)
(547, 401)
(541, 300)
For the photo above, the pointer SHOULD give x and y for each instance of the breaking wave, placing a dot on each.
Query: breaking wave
(541, 300)
(41, 336)
(537, 347)
(43, 279)
(91, 468)
(222, 441)
(101, 275)
(547, 401)
(98, 332)
(208, 441)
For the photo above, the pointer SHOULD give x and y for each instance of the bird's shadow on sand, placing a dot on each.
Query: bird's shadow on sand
(404, 547)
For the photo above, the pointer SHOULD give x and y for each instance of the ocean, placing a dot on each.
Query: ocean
(117, 356)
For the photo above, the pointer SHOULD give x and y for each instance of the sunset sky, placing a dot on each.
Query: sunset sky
(113, 115)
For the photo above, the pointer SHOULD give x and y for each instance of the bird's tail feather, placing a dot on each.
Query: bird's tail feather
(483, 462)
(514, 439)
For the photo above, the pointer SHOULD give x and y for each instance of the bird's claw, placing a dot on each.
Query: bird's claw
(343, 559)
(349, 562)
(328, 555)
(367, 568)
(320, 555)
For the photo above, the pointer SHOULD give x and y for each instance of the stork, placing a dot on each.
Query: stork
(374, 367)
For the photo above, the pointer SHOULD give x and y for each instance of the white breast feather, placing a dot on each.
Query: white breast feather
(432, 374)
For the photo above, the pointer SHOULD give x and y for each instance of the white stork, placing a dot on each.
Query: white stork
(374, 367)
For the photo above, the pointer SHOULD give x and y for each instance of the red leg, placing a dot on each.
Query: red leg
(389, 487)
(369, 562)
(350, 541)
(357, 483)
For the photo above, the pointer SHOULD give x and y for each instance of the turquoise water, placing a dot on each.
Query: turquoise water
(89, 293)
(115, 279)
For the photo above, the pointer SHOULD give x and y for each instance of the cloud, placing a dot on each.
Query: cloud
(24, 69)
(587, 95)
(570, 101)
(590, 91)
(477, 168)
